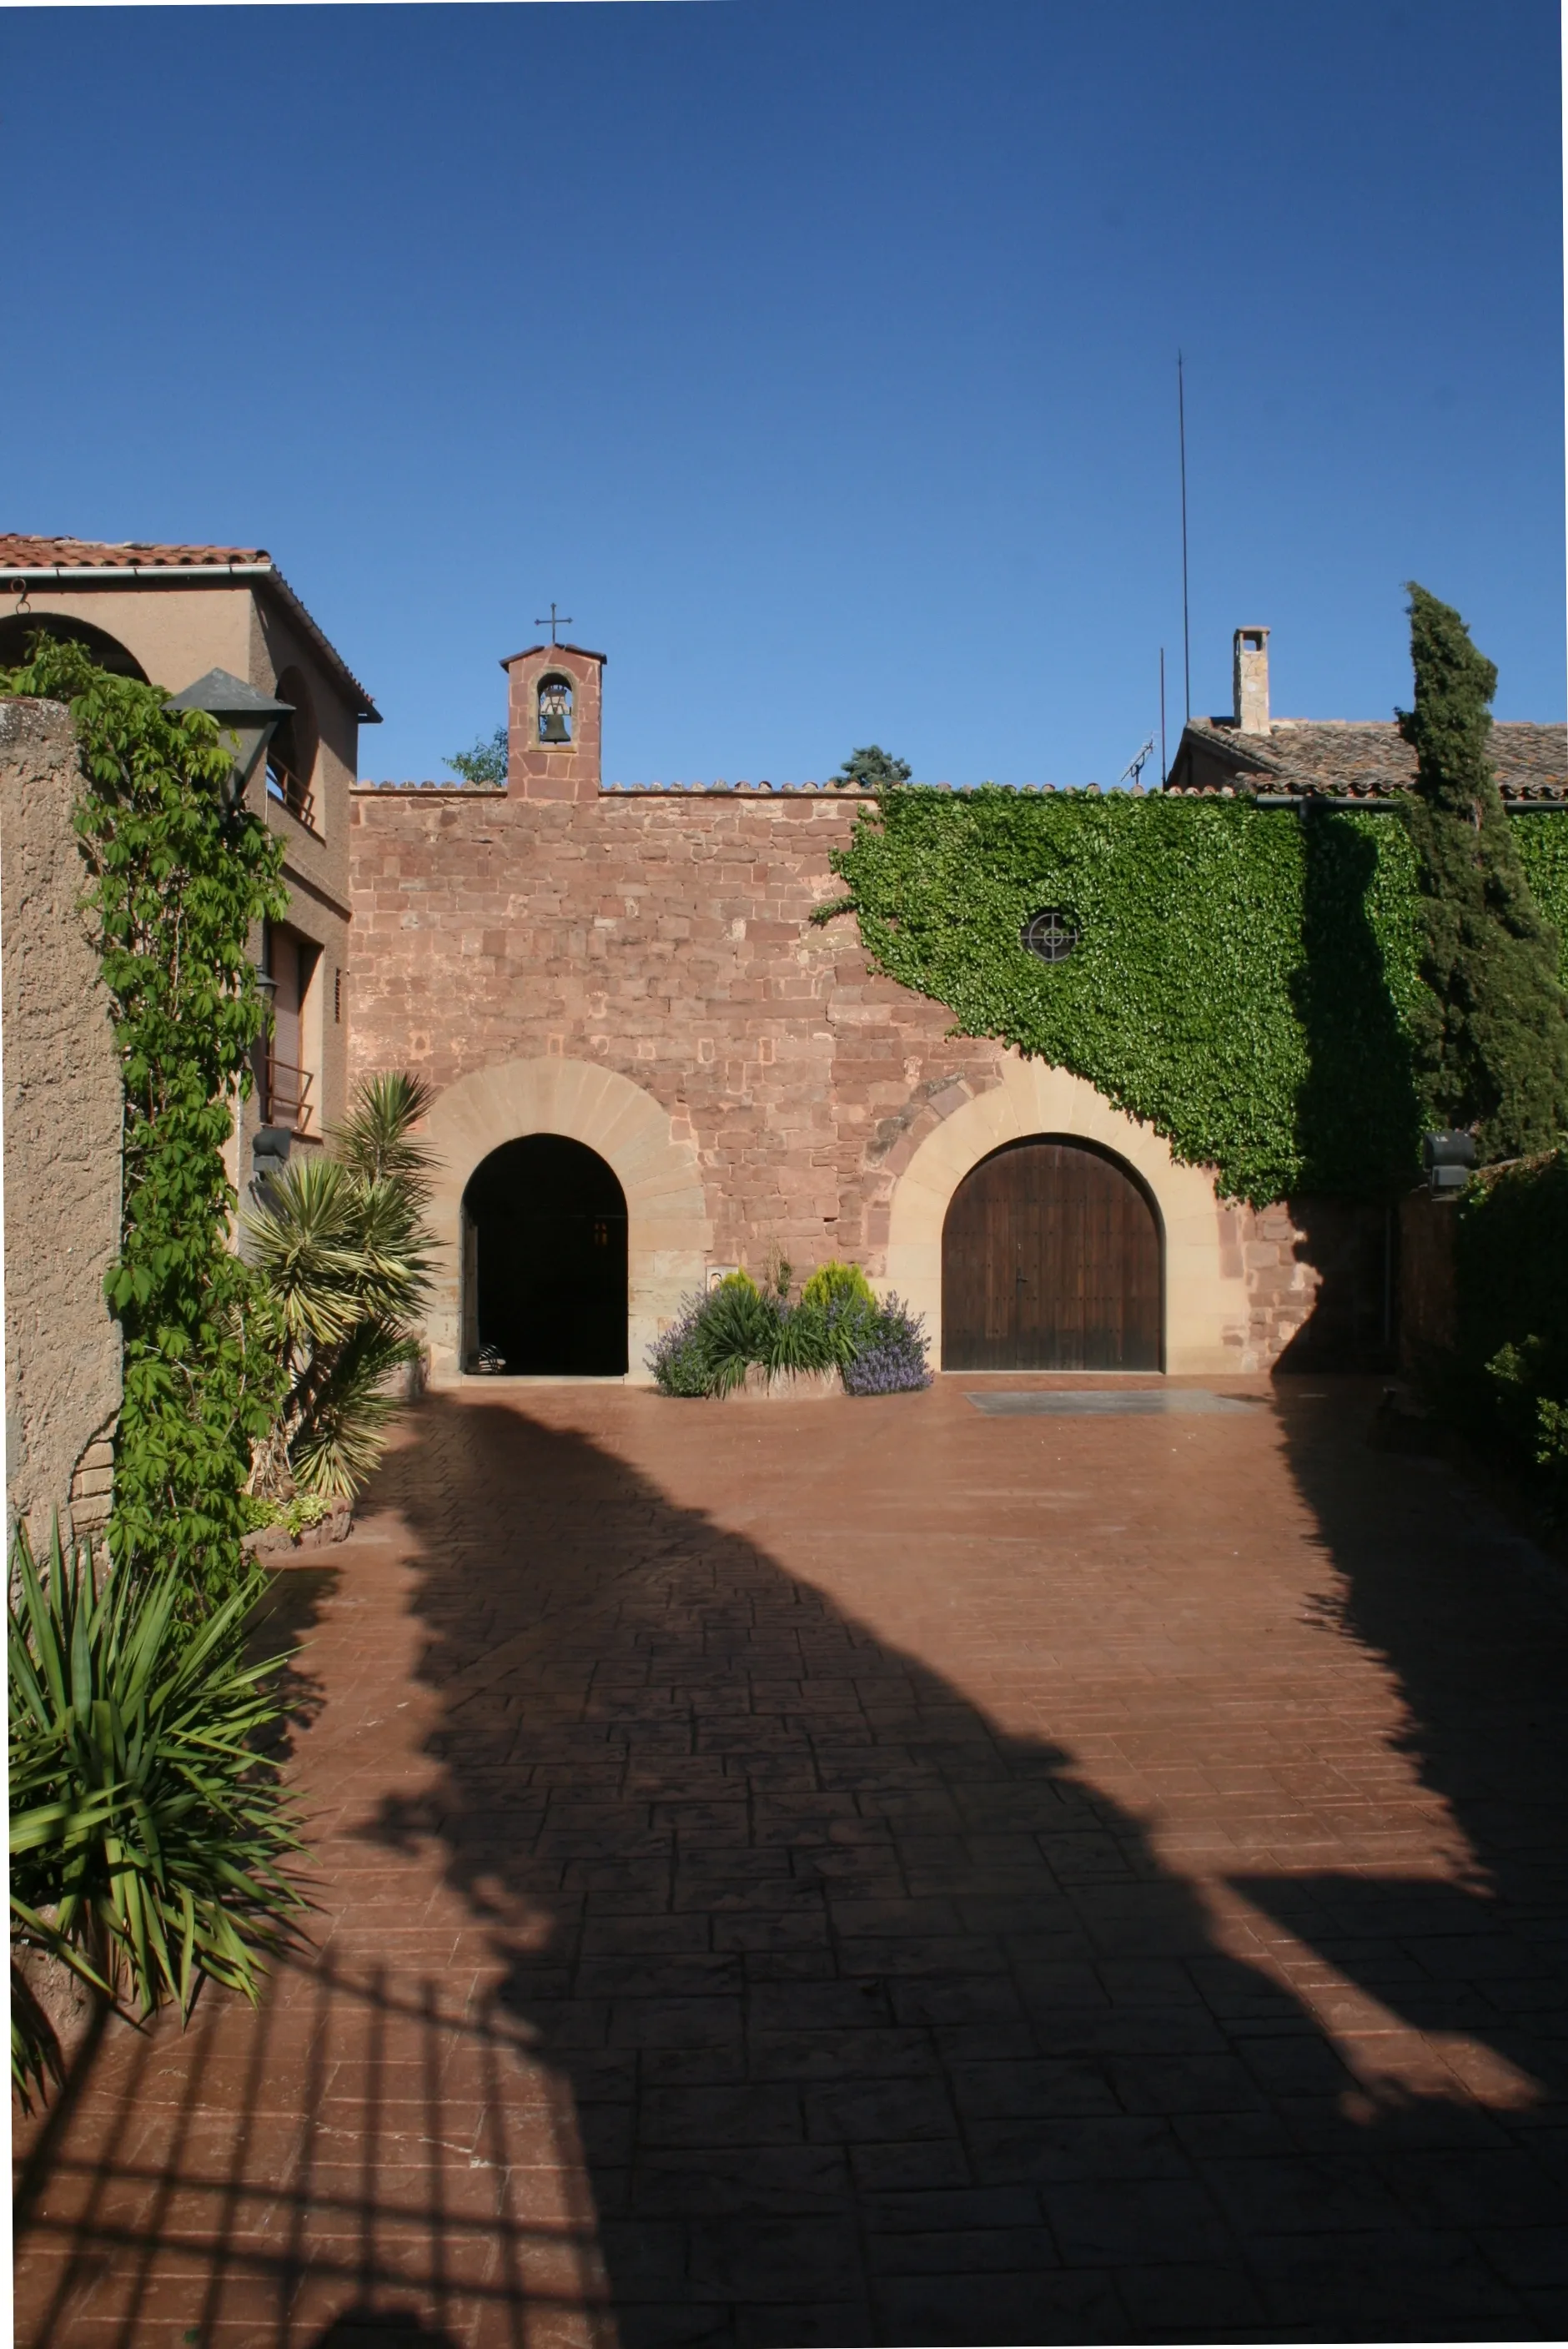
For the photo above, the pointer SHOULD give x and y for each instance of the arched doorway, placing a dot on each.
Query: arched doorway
(18, 629)
(544, 1223)
(1051, 1261)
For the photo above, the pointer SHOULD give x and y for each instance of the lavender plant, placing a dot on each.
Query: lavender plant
(890, 1352)
(716, 1338)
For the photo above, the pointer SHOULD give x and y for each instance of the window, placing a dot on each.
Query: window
(554, 710)
(291, 753)
(291, 1089)
(1052, 935)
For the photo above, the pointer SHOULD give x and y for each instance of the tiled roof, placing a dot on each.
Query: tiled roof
(1354, 760)
(580, 650)
(41, 559)
(19, 554)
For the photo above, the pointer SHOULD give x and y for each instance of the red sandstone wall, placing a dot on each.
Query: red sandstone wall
(1320, 1282)
(670, 938)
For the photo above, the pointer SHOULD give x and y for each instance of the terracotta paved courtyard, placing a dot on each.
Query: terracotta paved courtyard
(869, 1871)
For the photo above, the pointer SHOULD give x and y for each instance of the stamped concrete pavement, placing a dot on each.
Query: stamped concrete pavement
(876, 1871)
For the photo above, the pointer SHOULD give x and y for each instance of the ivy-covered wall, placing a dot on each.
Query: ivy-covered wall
(1241, 974)
(177, 875)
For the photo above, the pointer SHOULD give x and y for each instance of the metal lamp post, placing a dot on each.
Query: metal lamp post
(247, 717)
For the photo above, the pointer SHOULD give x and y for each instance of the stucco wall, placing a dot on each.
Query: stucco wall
(62, 1132)
(177, 630)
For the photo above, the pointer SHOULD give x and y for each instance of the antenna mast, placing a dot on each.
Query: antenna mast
(1186, 631)
(1133, 769)
(1163, 770)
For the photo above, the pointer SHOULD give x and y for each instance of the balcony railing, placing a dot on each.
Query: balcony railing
(289, 1099)
(285, 786)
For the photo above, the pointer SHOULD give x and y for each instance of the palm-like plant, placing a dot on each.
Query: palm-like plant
(340, 1247)
(377, 1138)
(149, 1838)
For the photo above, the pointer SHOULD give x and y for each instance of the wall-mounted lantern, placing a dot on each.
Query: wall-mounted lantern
(247, 717)
(270, 1151)
(1448, 1160)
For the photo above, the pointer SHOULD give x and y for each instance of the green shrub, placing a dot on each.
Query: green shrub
(1511, 1256)
(149, 1838)
(740, 1281)
(340, 1249)
(293, 1517)
(837, 1323)
(839, 1284)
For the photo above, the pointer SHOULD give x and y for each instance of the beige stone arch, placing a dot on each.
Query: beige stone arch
(1205, 1280)
(668, 1232)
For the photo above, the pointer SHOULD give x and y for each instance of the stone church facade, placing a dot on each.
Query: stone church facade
(649, 1064)
(637, 970)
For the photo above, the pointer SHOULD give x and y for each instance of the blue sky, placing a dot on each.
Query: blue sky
(817, 357)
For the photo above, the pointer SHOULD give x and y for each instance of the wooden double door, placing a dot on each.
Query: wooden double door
(1050, 1261)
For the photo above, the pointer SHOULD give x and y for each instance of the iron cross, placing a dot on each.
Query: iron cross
(564, 621)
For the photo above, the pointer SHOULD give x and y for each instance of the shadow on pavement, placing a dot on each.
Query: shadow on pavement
(867, 2021)
(882, 2025)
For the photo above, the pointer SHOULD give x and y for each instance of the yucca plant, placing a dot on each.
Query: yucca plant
(377, 1138)
(149, 1838)
(340, 1247)
(739, 1325)
(800, 1340)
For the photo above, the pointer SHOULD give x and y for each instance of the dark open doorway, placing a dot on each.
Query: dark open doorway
(548, 1259)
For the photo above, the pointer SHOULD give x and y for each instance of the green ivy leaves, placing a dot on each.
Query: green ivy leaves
(178, 881)
(1242, 976)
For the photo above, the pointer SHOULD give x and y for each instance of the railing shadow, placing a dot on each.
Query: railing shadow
(341, 2170)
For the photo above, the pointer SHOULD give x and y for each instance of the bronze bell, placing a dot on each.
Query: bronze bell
(553, 726)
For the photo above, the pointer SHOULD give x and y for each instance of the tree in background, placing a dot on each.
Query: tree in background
(486, 763)
(873, 767)
(1491, 1028)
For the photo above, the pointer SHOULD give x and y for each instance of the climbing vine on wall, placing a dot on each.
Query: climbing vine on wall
(1241, 976)
(177, 879)
(1543, 841)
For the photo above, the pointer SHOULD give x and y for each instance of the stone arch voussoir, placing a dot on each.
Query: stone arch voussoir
(668, 1231)
(1206, 1315)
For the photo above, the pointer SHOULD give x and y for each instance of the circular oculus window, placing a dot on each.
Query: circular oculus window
(1051, 935)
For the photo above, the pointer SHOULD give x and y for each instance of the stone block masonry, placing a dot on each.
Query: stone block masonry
(667, 937)
(672, 942)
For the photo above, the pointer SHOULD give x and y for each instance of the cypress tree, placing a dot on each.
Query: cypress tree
(1490, 1030)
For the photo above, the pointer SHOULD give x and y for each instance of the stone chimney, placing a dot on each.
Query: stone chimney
(1251, 675)
(555, 696)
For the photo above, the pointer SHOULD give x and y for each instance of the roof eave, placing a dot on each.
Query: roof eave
(266, 574)
(580, 650)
